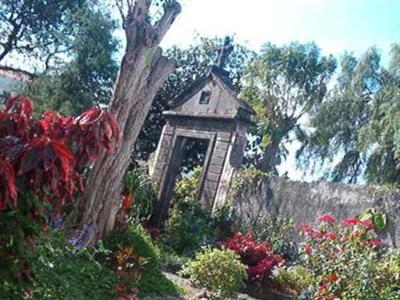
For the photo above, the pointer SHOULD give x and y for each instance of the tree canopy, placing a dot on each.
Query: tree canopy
(87, 76)
(283, 84)
(39, 28)
(357, 127)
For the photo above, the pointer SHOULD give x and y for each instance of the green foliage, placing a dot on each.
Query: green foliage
(377, 218)
(245, 179)
(218, 270)
(186, 188)
(152, 281)
(357, 124)
(17, 229)
(86, 79)
(138, 184)
(170, 261)
(59, 269)
(37, 28)
(187, 228)
(292, 280)
(188, 224)
(388, 275)
(283, 84)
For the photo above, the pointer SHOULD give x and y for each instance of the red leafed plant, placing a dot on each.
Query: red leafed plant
(258, 257)
(43, 155)
(40, 164)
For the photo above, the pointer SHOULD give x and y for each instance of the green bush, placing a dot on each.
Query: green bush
(188, 225)
(60, 271)
(388, 275)
(152, 281)
(292, 280)
(170, 261)
(18, 228)
(138, 184)
(218, 270)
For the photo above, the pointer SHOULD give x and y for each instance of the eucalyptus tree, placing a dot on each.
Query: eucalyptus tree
(284, 85)
(356, 131)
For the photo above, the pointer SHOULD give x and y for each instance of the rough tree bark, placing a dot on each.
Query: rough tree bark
(143, 70)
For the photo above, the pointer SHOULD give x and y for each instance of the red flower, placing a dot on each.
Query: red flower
(311, 232)
(351, 221)
(330, 236)
(308, 249)
(331, 278)
(326, 219)
(368, 224)
(375, 243)
(258, 257)
(127, 201)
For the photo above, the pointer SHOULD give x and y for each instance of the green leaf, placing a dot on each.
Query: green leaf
(380, 221)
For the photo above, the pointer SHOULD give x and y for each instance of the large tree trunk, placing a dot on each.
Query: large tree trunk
(143, 70)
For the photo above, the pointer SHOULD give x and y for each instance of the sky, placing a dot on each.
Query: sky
(334, 25)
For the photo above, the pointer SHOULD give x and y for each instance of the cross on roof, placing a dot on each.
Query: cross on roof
(224, 52)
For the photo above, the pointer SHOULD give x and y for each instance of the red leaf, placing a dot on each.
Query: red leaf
(11, 147)
(20, 105)
(8, 189)
(54, 125)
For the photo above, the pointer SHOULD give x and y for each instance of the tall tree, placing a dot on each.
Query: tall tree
(36, 28)
(283, 85)
(143, 71)
(190, 64)
(85, 78)
(355, 133)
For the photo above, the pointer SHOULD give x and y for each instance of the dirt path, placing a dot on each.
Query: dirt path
(191, 293)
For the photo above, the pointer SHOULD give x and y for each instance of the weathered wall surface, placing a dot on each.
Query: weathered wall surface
(303, 202)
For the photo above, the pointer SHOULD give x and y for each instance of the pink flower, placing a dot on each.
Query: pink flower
(368, 224)
(351, 221)
(308, 249)
(330, 236)
(376, 243)
(311, 232)
(327, 219)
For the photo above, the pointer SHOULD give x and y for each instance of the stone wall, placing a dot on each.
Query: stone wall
(260, 196)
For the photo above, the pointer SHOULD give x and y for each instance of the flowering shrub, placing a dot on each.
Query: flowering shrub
(258, 258)
(347, 261)
(40, 161)
(218, 270)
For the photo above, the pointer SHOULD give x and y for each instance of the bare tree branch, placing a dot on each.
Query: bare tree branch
(17, 70)
(171, 9)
